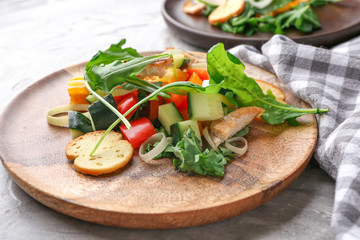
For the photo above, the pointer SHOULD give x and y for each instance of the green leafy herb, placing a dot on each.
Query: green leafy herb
(302, 17)
(248, 13)
(191, 159)
(207, 11)
(247, 91)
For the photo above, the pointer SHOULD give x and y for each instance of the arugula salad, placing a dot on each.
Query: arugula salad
(251, 16)
(172, 105)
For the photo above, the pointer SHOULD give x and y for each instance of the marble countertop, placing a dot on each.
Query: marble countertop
(38, 37)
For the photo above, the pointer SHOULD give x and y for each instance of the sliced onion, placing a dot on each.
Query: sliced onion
(208, 138)
(260, 4)
(234, 149)
(156, 150)
(63, 121)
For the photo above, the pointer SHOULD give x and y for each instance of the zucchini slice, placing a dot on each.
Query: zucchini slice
(79, 124)
(102, 117)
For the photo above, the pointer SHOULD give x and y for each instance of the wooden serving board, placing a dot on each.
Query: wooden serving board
(141, 195)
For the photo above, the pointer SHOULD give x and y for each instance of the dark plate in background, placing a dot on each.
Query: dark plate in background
(340, 22)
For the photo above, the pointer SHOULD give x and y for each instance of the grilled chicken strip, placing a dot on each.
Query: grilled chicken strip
(156, 69)
(222, 129)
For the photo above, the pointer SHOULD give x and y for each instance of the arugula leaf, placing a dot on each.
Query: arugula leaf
(248, 13)
(191, 159)
(303, 18)
(114, 52)
(247, 91)
(107, 77)
(208, 10)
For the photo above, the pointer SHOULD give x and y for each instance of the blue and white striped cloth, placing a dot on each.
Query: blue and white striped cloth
(324, 78)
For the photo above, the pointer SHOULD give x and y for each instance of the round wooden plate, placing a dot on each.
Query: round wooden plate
(141, 195)
(339, 22)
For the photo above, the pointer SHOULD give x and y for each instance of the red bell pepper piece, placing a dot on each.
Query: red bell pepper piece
(154, 108)
(185, 114)
(180, 101)
(126, 103)
(121, 97)
(141, 130)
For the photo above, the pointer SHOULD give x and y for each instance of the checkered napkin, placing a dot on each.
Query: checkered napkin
(325, 78)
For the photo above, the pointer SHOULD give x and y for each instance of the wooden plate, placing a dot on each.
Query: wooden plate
(340, 22)
(141, 195)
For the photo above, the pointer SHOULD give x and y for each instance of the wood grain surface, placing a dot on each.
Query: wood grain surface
(142, 195)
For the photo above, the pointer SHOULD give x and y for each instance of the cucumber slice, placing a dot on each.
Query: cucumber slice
(79, 124)
(178, 129)
(178, 56)
(168, 114)
(204, 106)
(102, 117)
(178, 60)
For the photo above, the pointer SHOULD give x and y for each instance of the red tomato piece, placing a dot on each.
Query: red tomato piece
(141, 130)
(126, 103)
(180, 101)
(202, 73)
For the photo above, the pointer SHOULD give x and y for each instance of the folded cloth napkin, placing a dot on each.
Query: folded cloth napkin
(324, 78)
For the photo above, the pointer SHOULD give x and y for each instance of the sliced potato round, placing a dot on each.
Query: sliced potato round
(223, 13)
(112, 154)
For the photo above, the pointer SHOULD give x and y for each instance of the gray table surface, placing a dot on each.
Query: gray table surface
(38, 37)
